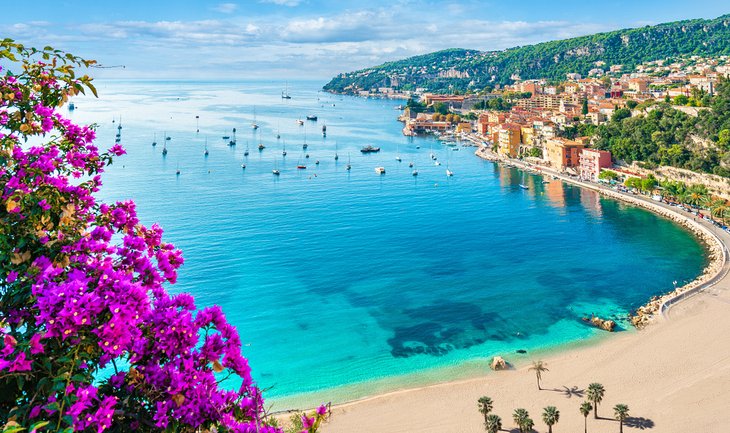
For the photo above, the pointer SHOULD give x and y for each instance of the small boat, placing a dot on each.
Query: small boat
(306, 156)
(410, 164)
(336, 155)
(418, 147)
(285, 92)
(301, 167)
(380, 170)
(164, 149)
(177, 173)
(71, 107)
(300, 122)
(283, 152)
(261, 147)
(245, 152)
(545, 182)
(206, 147)
(316, 162)
(398, 158)
(312, 117)
(154, 140)
(275, 172)
(436, 163)
(233, 140)
(370, 149)
(449, 172)
(226, 137)
(349, 166)
(524, 186)
(324, 130)
(415, 172)
(243, 166)
(254, 125)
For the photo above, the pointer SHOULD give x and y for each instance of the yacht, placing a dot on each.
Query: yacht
(370, 149)
(380, 170)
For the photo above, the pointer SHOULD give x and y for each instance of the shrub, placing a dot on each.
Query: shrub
(82, 285)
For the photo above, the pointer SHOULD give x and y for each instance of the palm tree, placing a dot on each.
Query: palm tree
(585, 409)
(595, 394)
(538, 367)
(522, 419)
(493, 423)
(550, 416)
(485, 406)
(720, 209)
(621, 412)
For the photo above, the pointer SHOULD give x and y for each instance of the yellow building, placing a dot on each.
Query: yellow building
(562, 153)
(528, 135)
(508, 140)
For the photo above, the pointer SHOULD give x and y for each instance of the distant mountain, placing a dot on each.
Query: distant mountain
(460, 69)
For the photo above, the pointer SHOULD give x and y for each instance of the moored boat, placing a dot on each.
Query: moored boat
(370, 149)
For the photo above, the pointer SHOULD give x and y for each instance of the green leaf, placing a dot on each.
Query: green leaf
(13, 429)
(38, 425)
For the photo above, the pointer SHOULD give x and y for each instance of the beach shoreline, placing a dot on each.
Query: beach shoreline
(400, 403)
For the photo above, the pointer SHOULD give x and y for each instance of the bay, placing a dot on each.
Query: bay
(343, 283)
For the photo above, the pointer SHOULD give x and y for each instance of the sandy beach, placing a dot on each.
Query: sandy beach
(674, 375)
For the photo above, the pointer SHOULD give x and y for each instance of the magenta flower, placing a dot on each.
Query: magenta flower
(20, 363)
(35, 344)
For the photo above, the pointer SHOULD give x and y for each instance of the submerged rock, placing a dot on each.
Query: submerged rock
(606, 325)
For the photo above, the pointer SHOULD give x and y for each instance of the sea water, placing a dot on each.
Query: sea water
(346, 282)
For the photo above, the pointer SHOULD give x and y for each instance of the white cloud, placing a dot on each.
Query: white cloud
(290, 3)
(226, 8)
(271, 45)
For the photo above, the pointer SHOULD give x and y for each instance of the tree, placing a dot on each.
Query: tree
(681, 100)
(631, 104)
(522, 418)
(649, 183)
(595, 394)
(621, 412)
(550, 416)
(608, 175)
(584, 108)
(585, 409)
(493, 423)
(538, 367)
(633, 182)
(723, 139)
(620, 114)
(485, 406)
(82, 285)
(720, 209)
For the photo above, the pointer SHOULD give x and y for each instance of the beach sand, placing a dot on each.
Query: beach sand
(674, 375)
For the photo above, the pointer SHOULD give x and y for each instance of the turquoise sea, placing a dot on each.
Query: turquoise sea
(342, 283)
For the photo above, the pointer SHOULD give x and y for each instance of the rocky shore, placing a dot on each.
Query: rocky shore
(714, 247)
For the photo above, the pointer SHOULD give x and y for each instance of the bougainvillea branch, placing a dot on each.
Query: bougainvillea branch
(82, 285)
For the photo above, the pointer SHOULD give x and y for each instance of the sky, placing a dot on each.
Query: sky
(309, 39)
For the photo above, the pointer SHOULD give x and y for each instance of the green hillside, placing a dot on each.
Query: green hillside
(460, 69)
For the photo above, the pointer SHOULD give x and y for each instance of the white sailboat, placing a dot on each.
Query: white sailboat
(254, 125)
(206, 147)
(349, 166)
(336, 155)
(285, 92)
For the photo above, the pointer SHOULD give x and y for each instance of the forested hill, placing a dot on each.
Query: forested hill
(459, 69)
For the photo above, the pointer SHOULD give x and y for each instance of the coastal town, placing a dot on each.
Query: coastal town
(540, 122)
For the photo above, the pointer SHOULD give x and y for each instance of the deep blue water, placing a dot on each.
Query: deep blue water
(343, 278)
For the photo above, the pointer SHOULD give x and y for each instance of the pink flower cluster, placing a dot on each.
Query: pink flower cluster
(84, 291)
